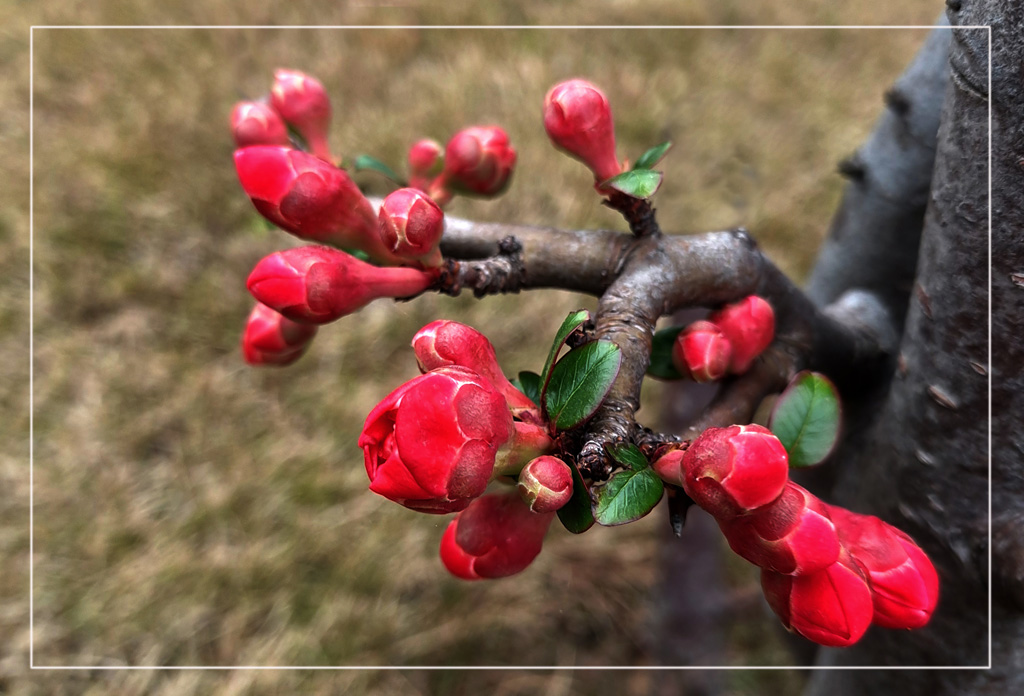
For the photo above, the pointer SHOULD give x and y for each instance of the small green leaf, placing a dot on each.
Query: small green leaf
(364, 162)
(577, 515)
(806, 419)
(636, 183)
(628, 455)
(580, 381)
(652, 156)
(571, 323)
(529, 384)
(628, 496)
(661, 365)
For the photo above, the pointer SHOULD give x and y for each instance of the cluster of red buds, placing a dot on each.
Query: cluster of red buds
(477, 161)
(727, 342)
(436, 442)
(827, 572)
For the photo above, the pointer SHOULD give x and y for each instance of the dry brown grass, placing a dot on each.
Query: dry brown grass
(189, 510)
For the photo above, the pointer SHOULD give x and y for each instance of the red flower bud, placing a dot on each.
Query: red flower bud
(431, 444)
(702, 352)
(545, 484)
(831, 606)
(317, 285)
(750, 327)
(496, 536)
(303, 103)
(272, 339)
(904, 584)
(310, 198)
(425, 158)
(731, 471)
(478, 161)
(255, 123)
(793, 534)
(578, 120)
(410, 225)
(441, 343)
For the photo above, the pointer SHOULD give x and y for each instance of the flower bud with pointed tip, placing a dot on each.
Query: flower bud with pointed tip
(441, 343)
(904, 584)
(831, 606)
(410, 225)
(732, 471)
(303, 103)
(431, 444)
(478, 161)
(578, 119)
(317, 285)
(545, 484)
(270, 338)
(255, 123)
(749, 325)
(702, 351)
(793, 534)
(311, 199)
(496, 536)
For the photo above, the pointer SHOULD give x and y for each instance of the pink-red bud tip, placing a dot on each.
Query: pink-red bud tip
(702, 351)
(478, 161)
(749, 326)
(578, 120)
(272, 339)
(410, 225)
(545, 484)
(255, 123)
(302, 102)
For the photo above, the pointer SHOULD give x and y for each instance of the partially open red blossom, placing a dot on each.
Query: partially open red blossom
(255, 123)
(702, 352)
(431, 444)
(793, 534)
(310, 198)
(831, 606)
(578, 119)
(496, 536)
(545, 484)
(732, 471)
(410, 225)
(317, 285)
(443, 342)
(749, 325)
(303, 103)
(478, 161)
(270, 338)
(904, 584)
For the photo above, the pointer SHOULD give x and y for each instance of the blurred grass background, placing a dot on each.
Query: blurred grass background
(190, 510)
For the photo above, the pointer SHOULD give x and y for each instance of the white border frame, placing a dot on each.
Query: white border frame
(31, 342)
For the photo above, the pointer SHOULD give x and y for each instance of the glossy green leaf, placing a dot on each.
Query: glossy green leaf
(652, 156)
(661, 365)
(365, 162)
(572, 322)
(529, 384)
(579, 383)
(806, 419)
(637, 183)
(577, 515)
(628, 455)
(627, 496)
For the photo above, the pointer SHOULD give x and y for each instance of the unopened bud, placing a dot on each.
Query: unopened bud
(270, 338)
(749, 325)
(425, 158)
(578, 119)
(702, 352)
(411, 224)
(318, 285)
(478, 161)
(255, 123)
(303, 103)
(545, 484)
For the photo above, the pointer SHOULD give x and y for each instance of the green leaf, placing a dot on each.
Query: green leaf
(636, 183)
(529, 384)
(661, 365)
(571, 323)
(628, 496)
(628, 455)
(652, 156)
(580, 381)
(806, 419)
(577, 515)
(364, 162)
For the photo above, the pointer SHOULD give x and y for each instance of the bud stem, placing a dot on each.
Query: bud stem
(527, 442)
